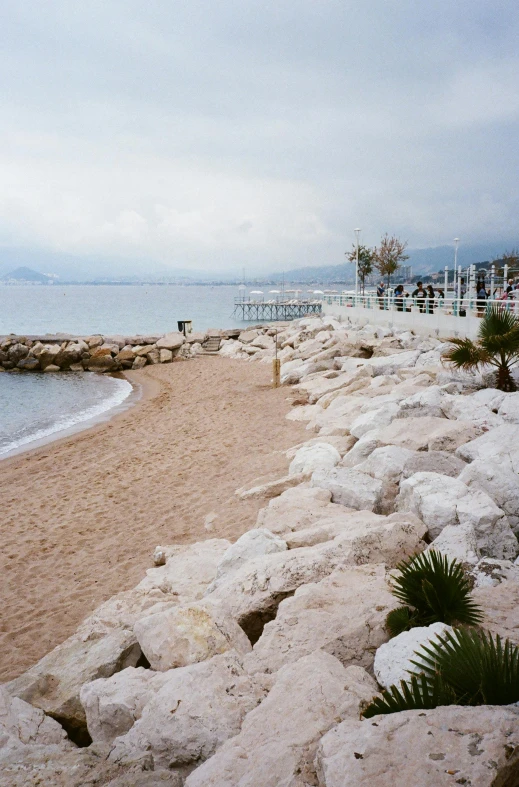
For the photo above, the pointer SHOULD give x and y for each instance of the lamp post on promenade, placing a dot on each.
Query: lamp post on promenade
(357, 233)
(456, 241)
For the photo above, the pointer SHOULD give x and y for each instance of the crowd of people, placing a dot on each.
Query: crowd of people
(427, 298)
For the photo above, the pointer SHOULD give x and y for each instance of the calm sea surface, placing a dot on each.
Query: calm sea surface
(35, 406)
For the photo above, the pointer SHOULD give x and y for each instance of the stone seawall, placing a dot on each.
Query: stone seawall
(100, 353)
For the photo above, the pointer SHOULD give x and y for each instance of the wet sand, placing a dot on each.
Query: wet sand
(81, 516)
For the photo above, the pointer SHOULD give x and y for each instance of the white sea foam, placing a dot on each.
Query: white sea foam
(71, 420)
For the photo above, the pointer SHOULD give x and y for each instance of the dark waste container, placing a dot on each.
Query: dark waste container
(185, 326)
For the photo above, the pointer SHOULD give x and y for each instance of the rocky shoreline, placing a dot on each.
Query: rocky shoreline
(249, 663)
(98, 353)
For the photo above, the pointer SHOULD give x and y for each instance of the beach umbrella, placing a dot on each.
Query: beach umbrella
(317, 292)
(256, 292)
(274, 292)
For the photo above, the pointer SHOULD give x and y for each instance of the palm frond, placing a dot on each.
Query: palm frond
(401, 619)
(437, 588)
(464, 354)
(478, 667)
(418, 693)
(497, 322)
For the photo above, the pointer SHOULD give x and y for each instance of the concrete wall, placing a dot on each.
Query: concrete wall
(437, 324)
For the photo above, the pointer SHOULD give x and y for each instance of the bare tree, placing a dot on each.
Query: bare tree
(366, 261)
(389, 255)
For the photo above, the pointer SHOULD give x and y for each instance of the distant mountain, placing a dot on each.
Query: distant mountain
(26, 274)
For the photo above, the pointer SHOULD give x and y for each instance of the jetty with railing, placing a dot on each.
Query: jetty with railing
(254, 307)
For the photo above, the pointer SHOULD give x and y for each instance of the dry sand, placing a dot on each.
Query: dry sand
(82, 516)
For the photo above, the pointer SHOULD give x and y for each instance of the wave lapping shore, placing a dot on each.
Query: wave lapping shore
(250, 662)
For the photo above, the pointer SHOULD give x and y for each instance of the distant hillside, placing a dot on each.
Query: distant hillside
(26, 274)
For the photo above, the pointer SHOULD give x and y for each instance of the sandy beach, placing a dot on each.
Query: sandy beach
(81, 516)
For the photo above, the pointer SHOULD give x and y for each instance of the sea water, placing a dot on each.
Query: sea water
(36, 406)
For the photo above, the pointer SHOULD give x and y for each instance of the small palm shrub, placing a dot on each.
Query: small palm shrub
(435, 590)
(464, 667)
(497, 346)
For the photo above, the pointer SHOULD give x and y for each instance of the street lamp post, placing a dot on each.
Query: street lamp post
(357, 233)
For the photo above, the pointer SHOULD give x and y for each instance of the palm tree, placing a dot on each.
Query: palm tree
(497, 346)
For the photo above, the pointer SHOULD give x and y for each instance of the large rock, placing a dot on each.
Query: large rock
(269, 489)
(392, 363)
(17, 351)
(458, 542)
(424, 403)
(320, 456)
(295, 509)
(23, 725)
(187, 634)
(197, 709)
(441, 462)
(386, 463)
(277, 742)
(362, 449)
(499, 446)
(374, 419)
(351, 488)
(28, 364)
(344, 615)
(171, 341)
(500, 605)
(440, 501)
(443, 747)
(188, 570)
(469, 409)
(331, 381)
(113, 705)
(509, 409)
(427, 434)
(251, 544)
(54, 683)
(499, 482)
(393, 659)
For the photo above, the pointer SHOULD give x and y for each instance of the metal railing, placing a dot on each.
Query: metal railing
(458, 307)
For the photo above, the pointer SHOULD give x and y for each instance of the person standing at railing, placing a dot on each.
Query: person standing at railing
(381, 291)
(430, 299)
(420, 296)
(399, 297)
(482, 298)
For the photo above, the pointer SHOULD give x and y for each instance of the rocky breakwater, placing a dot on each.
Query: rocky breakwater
(249, 663)
(98, 353)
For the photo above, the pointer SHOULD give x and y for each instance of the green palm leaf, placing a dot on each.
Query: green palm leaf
(401, 619)
(418, 693)
(437, 588)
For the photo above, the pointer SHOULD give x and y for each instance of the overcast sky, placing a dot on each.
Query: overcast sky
(232, 133)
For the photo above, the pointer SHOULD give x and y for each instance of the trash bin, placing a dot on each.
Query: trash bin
(185, 326)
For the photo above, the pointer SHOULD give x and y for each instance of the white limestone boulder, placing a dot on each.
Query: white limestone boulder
(54, 683)
(197, 709)
(442, 462)
(294, 509)
(499, 445)
(427, 433)
(386, 463)
(22, 725)
(393, 659)
(424, 403)
(344, 614)
(500, 600)
(392, 363)
(433, 498)
(469, 409)
(350, 488)
(189, 569)
(374, 419)
(251, 544)
(187, 634)
(320, 456)
(509, 408)
(277, 742)
(458, 542)
(333, 381)
(362, 449)
(113, 705)
(269, 489)
(171, 341)
(494, 535)
(490, 572)
(500, 483)
(449, 745)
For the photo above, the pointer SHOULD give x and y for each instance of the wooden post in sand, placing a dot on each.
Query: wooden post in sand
(276, 367)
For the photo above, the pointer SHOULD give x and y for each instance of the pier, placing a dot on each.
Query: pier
(259, 311)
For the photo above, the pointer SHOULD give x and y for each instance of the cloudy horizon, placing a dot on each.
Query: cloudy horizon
(218, 136)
